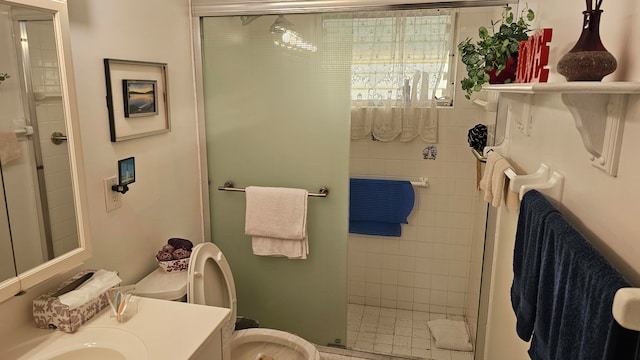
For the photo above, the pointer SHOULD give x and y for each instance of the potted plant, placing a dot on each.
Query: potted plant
(493, 58)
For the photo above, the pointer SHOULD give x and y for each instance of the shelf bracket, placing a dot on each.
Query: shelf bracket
(599, 118)
(523, 122)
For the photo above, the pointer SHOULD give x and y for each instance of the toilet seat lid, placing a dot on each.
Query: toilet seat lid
(210, 281)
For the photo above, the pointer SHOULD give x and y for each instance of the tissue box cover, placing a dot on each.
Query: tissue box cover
(50, 313)
(174, 265)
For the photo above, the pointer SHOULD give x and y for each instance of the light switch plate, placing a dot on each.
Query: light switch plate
(112, 199)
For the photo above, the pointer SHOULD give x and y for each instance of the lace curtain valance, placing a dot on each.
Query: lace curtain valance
(400, 67)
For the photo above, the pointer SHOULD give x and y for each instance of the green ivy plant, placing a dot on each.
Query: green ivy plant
(493, 49)
(3, 77)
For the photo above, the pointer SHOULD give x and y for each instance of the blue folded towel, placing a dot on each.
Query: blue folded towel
(378, 207)
(534, 210)
(576, 289)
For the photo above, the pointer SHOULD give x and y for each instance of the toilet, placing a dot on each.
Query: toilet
(208, 281)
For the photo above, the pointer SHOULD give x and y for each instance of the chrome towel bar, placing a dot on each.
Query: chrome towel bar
(228, 186)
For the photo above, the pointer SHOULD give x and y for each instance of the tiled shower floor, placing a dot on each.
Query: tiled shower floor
(396, 332)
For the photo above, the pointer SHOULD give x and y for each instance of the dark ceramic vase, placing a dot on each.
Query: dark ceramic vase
(588, 60)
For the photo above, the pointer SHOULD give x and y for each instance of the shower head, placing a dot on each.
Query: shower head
(281, 25)
(246, 20)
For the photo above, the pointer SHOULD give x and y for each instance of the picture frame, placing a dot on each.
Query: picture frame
(126, 171)
(137, 98)
(140, 98)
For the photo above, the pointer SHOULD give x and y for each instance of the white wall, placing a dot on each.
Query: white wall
(602, 207)
(165, 200)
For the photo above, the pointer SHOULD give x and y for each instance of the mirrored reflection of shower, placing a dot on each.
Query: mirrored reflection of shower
(37, 187)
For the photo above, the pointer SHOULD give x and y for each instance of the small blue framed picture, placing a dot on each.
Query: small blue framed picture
(126, 171)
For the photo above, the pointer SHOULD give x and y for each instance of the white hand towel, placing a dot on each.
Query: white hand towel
(485, 183)
(276, 218)
(99, 283)
(500, 187)
(9, 147)
(494, 182)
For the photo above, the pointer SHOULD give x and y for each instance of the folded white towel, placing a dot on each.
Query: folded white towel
(494, 182)
(276, 218)
(98, 284)
(9, 147)
(450, 334)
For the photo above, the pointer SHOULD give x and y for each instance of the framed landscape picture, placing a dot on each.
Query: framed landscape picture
(137, 98)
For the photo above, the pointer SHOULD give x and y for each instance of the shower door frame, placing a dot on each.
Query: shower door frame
(206, 8)
(29, 105)
(209, 8)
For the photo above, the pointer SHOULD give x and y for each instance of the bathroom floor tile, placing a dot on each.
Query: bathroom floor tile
(392, 334)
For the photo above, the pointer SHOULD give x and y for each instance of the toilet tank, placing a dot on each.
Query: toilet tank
(163, 285)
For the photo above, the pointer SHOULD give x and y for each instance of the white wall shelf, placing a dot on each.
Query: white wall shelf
(597, 107)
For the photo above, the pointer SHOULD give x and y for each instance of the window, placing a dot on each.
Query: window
(400, 57)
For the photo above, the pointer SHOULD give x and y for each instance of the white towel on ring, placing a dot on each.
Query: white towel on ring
(276, 218)
(495, 184)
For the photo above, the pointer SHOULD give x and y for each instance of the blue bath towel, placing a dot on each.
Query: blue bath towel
(576, 289)
(379, 207)
(534, 210)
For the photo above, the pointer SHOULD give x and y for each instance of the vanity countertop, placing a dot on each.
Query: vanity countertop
(169, 329)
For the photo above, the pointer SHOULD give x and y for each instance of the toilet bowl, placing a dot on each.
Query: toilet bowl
(208, 281)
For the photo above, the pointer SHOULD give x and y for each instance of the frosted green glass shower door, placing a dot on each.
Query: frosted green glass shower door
(277, 117)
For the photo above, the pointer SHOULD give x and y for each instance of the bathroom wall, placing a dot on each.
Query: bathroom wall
(602, 207)
(426, 269)
(165, 200)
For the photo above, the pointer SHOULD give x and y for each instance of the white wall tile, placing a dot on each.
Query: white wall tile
(405, 293)
(434, 250)
(406, 278)
(389, 292)
(356, 288)
(358, 273)
(373, 276)
(389, 277)
(372, 290)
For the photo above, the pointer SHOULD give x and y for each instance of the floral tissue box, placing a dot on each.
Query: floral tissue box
(50, 313)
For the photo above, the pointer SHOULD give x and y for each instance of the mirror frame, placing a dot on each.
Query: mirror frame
(25, 280)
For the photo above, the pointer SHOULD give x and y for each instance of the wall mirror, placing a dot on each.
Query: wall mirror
(43, 224)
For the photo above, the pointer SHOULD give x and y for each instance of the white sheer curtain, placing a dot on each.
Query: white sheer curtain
(399, 70)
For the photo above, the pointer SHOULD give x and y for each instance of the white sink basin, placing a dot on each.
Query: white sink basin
(93, 343)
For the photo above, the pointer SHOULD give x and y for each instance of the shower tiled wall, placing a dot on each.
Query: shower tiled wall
(435, 265)
(426, 269)
(57, 172)
(45, 75)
